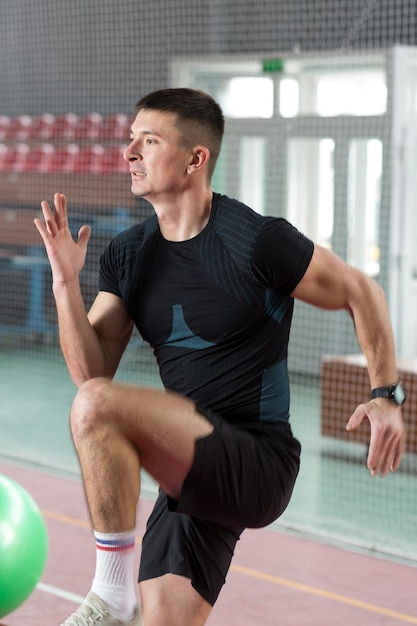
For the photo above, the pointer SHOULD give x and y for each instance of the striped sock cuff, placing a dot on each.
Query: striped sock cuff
(115, 542)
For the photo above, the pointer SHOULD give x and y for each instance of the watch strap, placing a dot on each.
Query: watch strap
(392, 392)
(383, 392)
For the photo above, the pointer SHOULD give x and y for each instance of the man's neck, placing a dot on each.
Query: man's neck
(184, 219)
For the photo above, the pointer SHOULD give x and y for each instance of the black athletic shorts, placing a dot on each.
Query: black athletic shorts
(242, 477)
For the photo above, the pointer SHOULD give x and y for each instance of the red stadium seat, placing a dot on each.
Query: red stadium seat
(64, 126)
(89, 126)
(116, 127)
(42, 126)
(65, 158)
(20, 127)
(113, 160)
(5, 123)
(15, 158)
(90, 159)
(39, 158)
(4, 149)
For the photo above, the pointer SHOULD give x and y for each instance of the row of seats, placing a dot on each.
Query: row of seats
(69, 126)
(64, 158)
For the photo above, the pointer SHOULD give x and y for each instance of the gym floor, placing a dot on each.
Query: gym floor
(275, 580)
(278, 577)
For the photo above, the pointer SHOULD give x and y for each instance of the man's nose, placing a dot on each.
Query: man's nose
(132, 153)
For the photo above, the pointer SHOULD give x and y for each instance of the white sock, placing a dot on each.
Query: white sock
(113, 580)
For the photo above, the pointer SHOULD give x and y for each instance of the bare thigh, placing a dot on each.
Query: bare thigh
(171, 599)
(162, 426)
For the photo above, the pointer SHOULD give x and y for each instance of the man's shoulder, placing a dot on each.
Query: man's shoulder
(237, 218)
(226, 203)
(233, 208)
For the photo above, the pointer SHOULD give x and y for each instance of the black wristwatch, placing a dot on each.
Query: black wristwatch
(396, 393)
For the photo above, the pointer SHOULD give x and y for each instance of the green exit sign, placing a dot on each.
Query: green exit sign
(270, 66)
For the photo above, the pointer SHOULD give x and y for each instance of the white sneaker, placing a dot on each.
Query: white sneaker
(93, 611)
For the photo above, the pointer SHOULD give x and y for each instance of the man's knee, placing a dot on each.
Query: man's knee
(89, 406)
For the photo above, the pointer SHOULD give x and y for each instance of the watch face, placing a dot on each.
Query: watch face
(399, 394)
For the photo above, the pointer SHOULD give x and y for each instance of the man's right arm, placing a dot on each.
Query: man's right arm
(92, 344)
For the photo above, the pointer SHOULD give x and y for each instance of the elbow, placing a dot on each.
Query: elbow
(80, 377)
(366, 292)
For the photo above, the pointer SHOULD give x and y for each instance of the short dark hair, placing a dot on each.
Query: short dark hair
(199, 116)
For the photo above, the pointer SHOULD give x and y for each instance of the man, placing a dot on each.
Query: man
(210, 285)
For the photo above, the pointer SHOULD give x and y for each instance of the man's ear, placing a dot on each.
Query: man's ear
(199, 158)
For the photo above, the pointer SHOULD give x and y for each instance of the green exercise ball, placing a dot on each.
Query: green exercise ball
(23, 545)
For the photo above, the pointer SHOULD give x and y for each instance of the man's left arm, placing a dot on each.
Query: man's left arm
(330, 283)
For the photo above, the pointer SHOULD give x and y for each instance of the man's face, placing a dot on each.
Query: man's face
(157, 156)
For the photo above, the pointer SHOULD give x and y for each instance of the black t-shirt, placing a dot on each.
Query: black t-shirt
(216, 308)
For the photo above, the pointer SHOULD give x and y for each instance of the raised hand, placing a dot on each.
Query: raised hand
(66, 256)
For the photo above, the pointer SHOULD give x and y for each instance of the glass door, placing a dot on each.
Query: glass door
(404, 224)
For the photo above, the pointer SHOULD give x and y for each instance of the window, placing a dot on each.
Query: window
(364, 190)
(310, 187)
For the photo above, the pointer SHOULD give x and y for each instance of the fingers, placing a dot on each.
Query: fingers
(60, 203)
(83, 237)
(397, 458)
(387, 441)
(50, 225)
(383, 459)
(380, 458)
(54, 220)
(55, 227)
(356, 418)
(41, 229)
